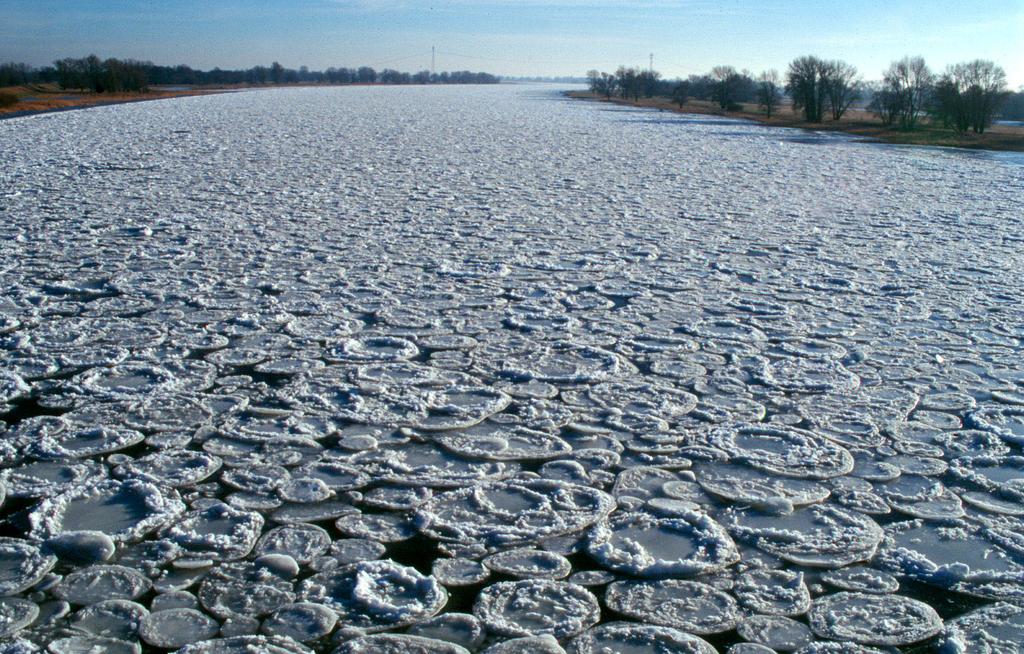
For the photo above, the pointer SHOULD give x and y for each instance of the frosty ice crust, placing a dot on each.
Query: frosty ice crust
(694, 386)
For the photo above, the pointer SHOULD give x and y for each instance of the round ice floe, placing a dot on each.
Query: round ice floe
(862, 579)
(12, 387)
(643, 482)
(967, 443)
(89, 644)
(873, 619)
(173, 628)
(167, 413)
(81, 443)
(218, 532)
(175, 468)
(376, 595)
(848, 428)
(1004, 475)
(745, 485)
(459, 572)
(246, 645)
(496, 442)
(304, 490)
(773, 592)
(175, 599)
(458, 407)
(124, 510)
(279, 565)
(373, 348)
(396, 498)
(529, 564)
(111, 619)
(15, 615)
(779, 633)
(398, 644)
(256, 478)
(526, 645)
(513, 512)
(82, 546)
(448, 342)
(380, 527)
(128, 380)
(286, 366)
(426, 464)
(687, 605)
(945, 506)
(1007, 422)
(808, 376)
(831, 647)
(592, 578)
(335, 475)
(638, 639)
(963, 556)
(643, 398)
(22, 565)
(353, 550)
(535, 607)
(989, 502)
(564, 364)
(102, 582)
(315, 512)
(461, 629)
(788, 451)
(243, 590)
(994, 629)
(301, 542)
(818, 536)
(689, 542)
(302, 622)
(682, 371)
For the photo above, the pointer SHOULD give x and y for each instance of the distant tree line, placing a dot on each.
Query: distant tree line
(967, 96)
(114, 75)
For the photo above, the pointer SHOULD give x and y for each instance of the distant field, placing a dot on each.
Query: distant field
(858, 122)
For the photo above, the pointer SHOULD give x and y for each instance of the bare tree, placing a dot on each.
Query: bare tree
(805, 85)
(842, 88)
(649, 82)
(607, 84)
(681, 93)
(970, 94)
(627, 81)
(276, 73)
(884, 102)
(769, 92)
(726, 88)
(909, 80)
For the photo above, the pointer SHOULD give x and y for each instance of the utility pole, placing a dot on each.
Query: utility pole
(433, 60)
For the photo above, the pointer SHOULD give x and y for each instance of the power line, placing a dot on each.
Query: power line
(394, 59)
(518, 61)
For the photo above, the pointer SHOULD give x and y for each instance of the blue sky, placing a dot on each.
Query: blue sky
(522, 37)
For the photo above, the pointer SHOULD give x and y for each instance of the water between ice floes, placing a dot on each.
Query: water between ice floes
(487, 369)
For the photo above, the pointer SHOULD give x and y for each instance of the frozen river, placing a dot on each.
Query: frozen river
(487, 369)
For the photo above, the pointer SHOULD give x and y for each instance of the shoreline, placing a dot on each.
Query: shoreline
(52, 101)
(998, 138)
(76, 101)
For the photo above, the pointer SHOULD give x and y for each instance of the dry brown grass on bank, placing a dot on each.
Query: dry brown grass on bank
(860, 123)
(42, 98)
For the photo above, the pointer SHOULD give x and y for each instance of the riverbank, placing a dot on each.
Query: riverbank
(1007, 138)
(42, 99)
